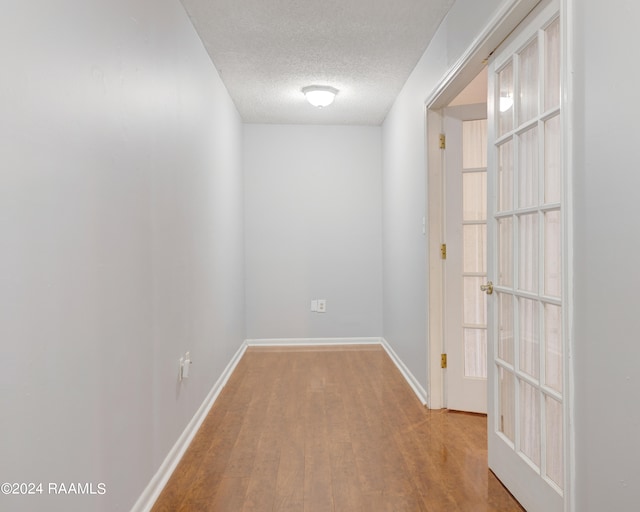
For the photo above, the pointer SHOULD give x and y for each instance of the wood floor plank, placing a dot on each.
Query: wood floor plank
(344, 480)
(332, 429)
(318, 496)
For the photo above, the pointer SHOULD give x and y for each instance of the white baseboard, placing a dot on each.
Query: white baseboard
(406, 373)
(154, 488)
(311, 342)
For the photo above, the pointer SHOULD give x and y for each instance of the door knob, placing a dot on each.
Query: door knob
(487, 288)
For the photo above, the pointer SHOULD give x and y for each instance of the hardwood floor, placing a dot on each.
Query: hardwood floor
(331, 429)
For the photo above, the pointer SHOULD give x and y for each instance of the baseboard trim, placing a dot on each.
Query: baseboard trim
(310, 342)
(406, 373)
(149, 496)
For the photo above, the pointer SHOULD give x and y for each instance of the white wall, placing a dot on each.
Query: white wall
(313, 230)
(404, 186)
(120, 242)
(607, 245)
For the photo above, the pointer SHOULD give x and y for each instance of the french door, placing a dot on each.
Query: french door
(465, 318)
(527, 407)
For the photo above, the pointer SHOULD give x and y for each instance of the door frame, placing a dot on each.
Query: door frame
(459, 75)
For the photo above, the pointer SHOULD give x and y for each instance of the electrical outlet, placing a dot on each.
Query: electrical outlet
(322, 306)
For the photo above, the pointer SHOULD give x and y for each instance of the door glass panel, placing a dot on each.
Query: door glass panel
(528, 93)
(555, 445)
(552, 66)
(505, 176)
(505, 99)
(528, 250)
(474, 196)
(505, 327)
(475, 353)
(529, 419)
(505, 251)
(552, 161)
(474, 238)
(527, 222)
(475, 301)
(528, 168)
(529, 337)
(506, 403)
(552, 254)
(474, 144)
(553, 346)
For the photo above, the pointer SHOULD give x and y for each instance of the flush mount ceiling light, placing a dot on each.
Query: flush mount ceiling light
(320, 95)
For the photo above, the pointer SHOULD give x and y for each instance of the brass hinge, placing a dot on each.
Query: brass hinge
(443, 141)
(443, 251)
(443, 360)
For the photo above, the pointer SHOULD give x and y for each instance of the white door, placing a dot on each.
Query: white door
(527, 406)
(465, 313)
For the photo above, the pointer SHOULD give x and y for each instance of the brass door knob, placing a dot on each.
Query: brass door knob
(487, 288)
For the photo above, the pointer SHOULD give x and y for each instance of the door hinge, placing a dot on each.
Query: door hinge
(443, 251)
(443, 141)
(443, 360)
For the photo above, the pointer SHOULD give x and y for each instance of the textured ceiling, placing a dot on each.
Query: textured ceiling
(266, 51)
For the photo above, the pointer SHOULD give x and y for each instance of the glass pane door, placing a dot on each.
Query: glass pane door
(465, 323)
(526, 438)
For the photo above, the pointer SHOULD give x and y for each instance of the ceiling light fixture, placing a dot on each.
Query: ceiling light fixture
(320, 95)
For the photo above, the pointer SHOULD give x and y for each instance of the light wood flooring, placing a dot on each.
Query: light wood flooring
(332, 429)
